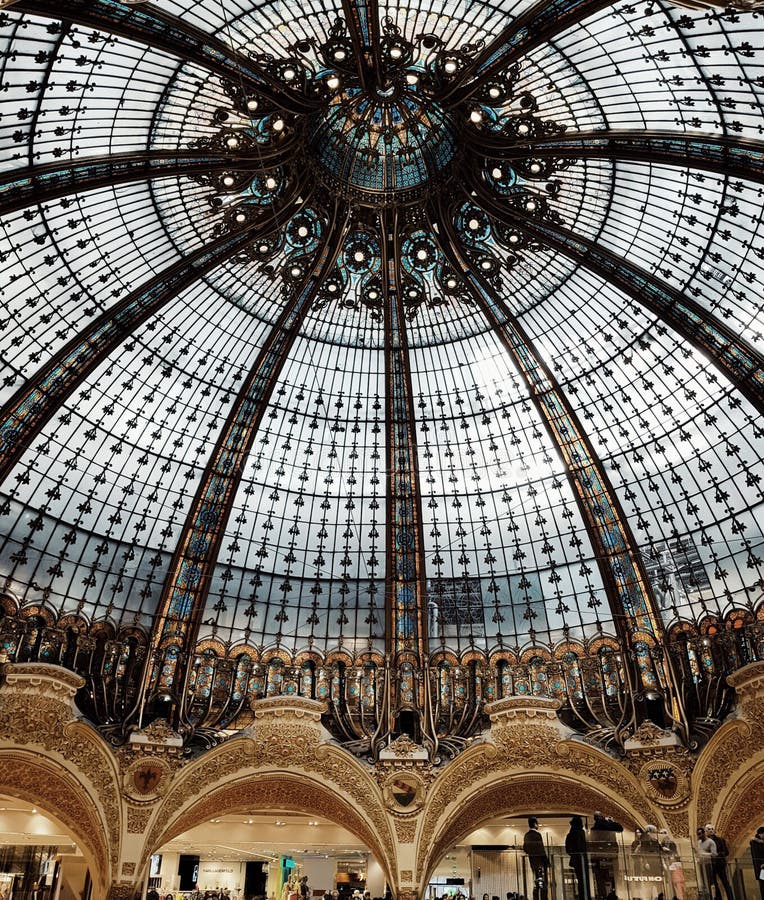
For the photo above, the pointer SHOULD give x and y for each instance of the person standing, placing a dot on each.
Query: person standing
(672, 863)
(533, 847)
(604, 853)
(719, 871)
(757, 858)
(575, 847)
(706, 851)
(650, 853)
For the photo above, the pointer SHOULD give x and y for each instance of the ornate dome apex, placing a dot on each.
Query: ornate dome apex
(384, 146)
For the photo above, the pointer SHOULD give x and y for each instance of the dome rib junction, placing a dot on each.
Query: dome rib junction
(405, 359)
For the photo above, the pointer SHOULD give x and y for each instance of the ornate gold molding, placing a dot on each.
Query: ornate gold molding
(294, 707)
(287, 735)
(38, 711)
(30, 777)
(138, 818)
(272, 791)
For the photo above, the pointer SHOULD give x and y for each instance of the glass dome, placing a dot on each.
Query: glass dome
(431, 329)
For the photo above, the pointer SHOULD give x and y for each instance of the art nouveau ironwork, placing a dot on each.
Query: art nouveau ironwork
(404, 361)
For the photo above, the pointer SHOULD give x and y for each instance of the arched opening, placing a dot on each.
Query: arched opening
(256, 836)
(40, 857)
(265, 854)
(480, 849)
(30, 783)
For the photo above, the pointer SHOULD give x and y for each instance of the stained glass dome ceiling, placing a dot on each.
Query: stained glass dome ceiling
(335, 329)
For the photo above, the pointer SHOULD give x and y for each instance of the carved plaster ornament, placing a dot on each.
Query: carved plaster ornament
(651, 735)
(158, 733)
(403, 748)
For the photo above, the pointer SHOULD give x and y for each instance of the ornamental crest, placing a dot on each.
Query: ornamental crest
(146, 779)
(666, 782)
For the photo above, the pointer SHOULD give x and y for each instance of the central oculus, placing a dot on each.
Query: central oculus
(382, 147)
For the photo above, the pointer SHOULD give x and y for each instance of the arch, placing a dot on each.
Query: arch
(738, 618)
(75, 621)
(603, 642)
(42, 612)
(741, 809)
(711, 625)
(270, 790)
(8, 603)
(66, 801)
(473, 655)
(312, 656)
(521, 793)
(560, 650)
(133, 631)
(443, 655)
(103, 627)
(682, 629)
(241, 649)
(338, 656)
(502, 655)
(210, 645)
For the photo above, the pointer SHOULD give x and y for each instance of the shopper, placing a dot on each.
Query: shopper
(533, 847)
(672, 863)
(575, 847)
(757, 858)
(719, 873)
(706, 851)
(603, 846)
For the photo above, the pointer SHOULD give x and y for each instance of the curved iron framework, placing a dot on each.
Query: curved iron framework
(449, 185)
